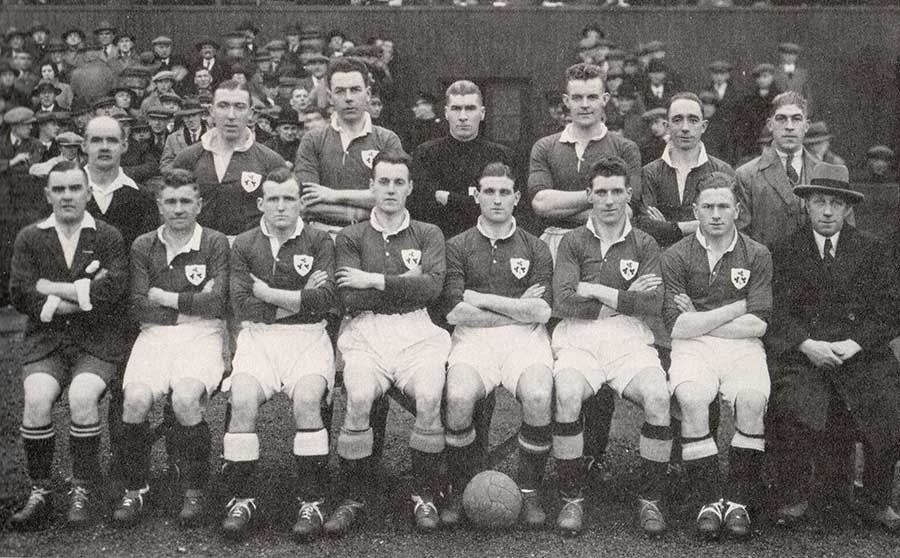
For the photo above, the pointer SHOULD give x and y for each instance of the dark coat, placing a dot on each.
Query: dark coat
(858, 298)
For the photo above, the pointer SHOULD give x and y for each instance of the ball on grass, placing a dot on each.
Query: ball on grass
(492, 500)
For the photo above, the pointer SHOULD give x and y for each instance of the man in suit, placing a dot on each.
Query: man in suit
(658, 87)
(207, 48)
(771, 210)
(834, 377)
(192, 127)
(69, 277)
(105, 34)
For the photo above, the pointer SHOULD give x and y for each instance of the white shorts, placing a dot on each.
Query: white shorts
(609, 351)
(278, 355)
(393, 347)
(726, 365)
(501, 354)
(164, 354)
(552, 237)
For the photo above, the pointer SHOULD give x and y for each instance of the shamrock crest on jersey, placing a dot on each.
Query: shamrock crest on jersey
(411, 257)
(739, 277)
(368, 155)
(519, 267)
(628, 269)
(250, 181)
(302, 264)
(195, 274)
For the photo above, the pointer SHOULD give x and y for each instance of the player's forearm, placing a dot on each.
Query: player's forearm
(356, 198)
(694, 324)
(282, 298)
(605, 295)
(334, 212)
(522, 310)
(559, 203)
(468, 315)
(742, 327)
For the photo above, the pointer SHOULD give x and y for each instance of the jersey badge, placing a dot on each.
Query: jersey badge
(519, 267)
(628, 269)
(195, 274)
(250, 181)
(411, 257)
(368, 155)
(302, 264)
(739, 277)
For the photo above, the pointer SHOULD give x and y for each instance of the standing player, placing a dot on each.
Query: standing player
(179, 281)
(69, 275)
(281, 291)
(497, 294)
(718, 296)
(607, 276)
(389, 269)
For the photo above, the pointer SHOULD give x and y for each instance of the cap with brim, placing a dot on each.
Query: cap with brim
(104, 26)
(139, 124)
(18, 115)
(789, 48)
(203, 42)
(311, 32)
(45, 85)
(425, 97)
(120, 88)
(313, 58)
(657, 66)
(262, 55)
(71, 30)
(38, 27)
(882, 152)
(170, 97)
(56, 45)
(277, 44)
(190, 107)
(248, 25)
(160, 112)
(103, 102)
(165, 74)
(161, 40)
(817, 133)
(121, 36)
(53, 116)
(136, 71)
(13, 32)
(121, 115)
(654, 114)
(69, 139)
(287, 116)
(833, 180)
(720, 66)
(763, 68)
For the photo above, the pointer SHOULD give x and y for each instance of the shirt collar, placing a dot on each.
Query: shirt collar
(265, 229)
(120, 181)
(820, 241)
(567, 136)
(487, 235)
(192, 245)
(625, 231)
(702, 158)
(378, 227)
(367, 125)
(87, 222)
(702, 240)
(212, 141)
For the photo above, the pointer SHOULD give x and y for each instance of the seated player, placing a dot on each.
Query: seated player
(607, 276)
(718, 296)
(389, 269)
(498, 296)
(281, 292)
(179, 281)
(69, 274)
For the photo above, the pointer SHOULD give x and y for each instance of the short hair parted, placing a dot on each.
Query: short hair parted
(498, 168)
(789, 98)
(583, 72)
(233, 85)
(716, 180)
(66, 166)
(346, 65)
(279, 176)
(391, 158)
(687, 96)
(608, 166)
(464, 87)
(176, 178)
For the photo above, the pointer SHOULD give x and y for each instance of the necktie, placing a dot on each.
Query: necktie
(826, 253)
(791, 172)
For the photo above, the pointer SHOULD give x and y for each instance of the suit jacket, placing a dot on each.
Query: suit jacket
(770, 211)
(100, 332)
(857, 298)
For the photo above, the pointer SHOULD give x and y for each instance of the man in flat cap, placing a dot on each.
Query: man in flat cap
(69, 144)
(755, 108)
(163, 82)
(834, 377)
(880, 164)
(789, 75)
(315, 64)
(657, 134)
(192, 128)
(426, 124)
(280, 64)
(125, 56)
(166, 61)
(818, 142)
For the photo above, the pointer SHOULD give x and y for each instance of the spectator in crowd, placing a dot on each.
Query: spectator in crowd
(229, 163)
(47, 92)
(770, 211)
(250, 32)
(208, 60)
(190, 132)
(202, 83)
(728, 98)
(105, 33)
(880, 165)
(280, 66)
(163, 82)
(655, 141)
(312, 39)
(426, 124)
(719, 135)
(315, 65)
(285, 141)
(15, 42)
(629, 106)
(834, 376)
(446, 170)
(658, 87)
(334, 162)
(125, 56)
(125, 99)
(756, 107)
(73, 37)
(8, 86)
(789, 74)
(292, 38)
(55, 57)
(69, 144)
(233, 43)
(376, 105)
(334, 42)
(26, 79)
(37, 42)
(159, 119)
(168, 62)
(818, 142)
(48, 126)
